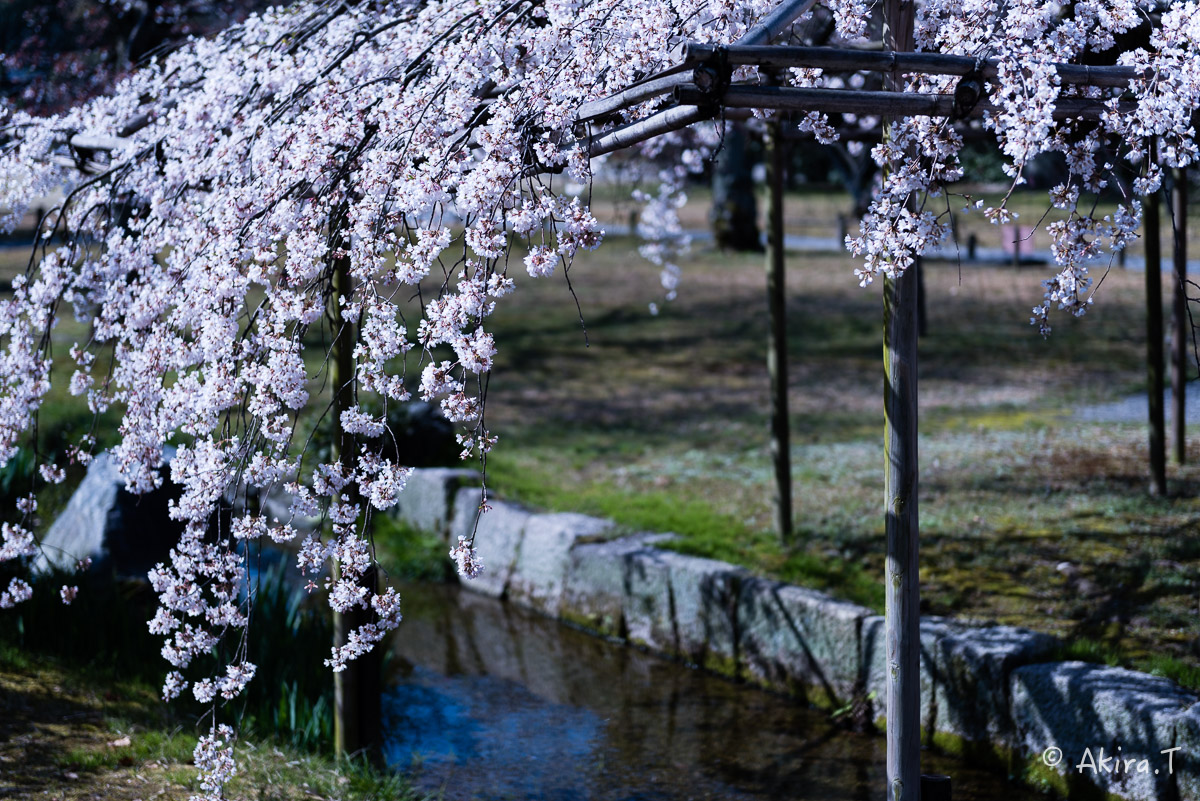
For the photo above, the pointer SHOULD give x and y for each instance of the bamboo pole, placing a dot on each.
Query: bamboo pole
(655, 86)
(752, 50)
(1179, 318)
(776, 22)
(665, 121)
(1154, 347)
(902, 592)
(891, 104)
(777, 361)
(834, 59)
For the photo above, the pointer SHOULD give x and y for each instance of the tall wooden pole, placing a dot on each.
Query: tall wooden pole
(1180, 328)
(357, 689)
(1154, 348)
(777, 336)
(922, 307)
(902, 592)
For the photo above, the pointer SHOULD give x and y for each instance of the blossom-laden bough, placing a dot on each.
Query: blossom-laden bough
(410, 151)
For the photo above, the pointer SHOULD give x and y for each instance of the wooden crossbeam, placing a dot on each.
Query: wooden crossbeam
(844, 60)
(776, 22)
(895, 104)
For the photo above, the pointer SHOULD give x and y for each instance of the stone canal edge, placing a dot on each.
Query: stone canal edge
(989, 693)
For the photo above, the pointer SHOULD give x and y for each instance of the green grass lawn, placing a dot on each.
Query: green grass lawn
(1028, 515)
(74, 733)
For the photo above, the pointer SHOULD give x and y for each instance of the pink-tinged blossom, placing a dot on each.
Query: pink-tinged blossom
(213, 757)
(402, 147)
(466, 559)
(16, 542)
(18, 591)
(173, 685)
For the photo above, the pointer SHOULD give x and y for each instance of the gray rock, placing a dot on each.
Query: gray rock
(121, 532)
(1186, 762)
(800, 639)
(497, 541)
(1082, 708)
(971, 671)
(419, 435)
(544, 557)
(428, 501)
(704, 596)
(595, 591)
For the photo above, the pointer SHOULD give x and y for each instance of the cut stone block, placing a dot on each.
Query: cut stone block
(1186, 763)
(800, 639)
(971, 671)
(544, 557)
(1094, 713)
(428, 500)
(704, 595)
(497, 541)
(120, 532)
(874, 662)
(597, 583)
(648, 618)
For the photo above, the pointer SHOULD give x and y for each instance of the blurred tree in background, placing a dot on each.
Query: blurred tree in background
(56, 54)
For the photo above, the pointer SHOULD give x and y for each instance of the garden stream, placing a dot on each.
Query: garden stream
(489, 701)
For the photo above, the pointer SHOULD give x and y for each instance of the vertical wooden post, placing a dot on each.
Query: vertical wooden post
(901, 572)
(1154, 347)
(935, 787)
(777, 336)
(1180, 326)
(357, 689)
(902, 592)
(922, 308)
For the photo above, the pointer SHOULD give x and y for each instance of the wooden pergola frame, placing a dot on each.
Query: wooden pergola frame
(701, 89)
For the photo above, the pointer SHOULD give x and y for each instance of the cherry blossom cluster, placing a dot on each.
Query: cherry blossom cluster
(334, 178)
(1027, 38)
(213, 756)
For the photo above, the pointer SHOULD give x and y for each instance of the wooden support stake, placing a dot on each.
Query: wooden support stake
(1154, 348)
(935, 787)
(922, 307)
(1180, 326)
(902, 591)
(357, 690)
(777, 336)
(902, 599)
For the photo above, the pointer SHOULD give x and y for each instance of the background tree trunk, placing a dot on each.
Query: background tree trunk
(1154, 348)
(734, 214)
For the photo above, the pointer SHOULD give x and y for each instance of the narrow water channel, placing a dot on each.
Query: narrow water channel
(492, 702)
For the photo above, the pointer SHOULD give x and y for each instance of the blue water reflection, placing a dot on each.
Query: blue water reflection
(488, 702)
